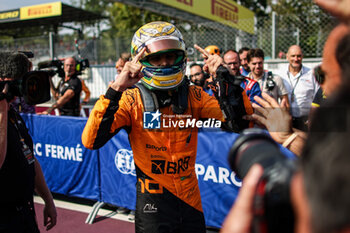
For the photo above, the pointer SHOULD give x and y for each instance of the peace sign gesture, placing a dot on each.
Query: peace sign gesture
(130, 74)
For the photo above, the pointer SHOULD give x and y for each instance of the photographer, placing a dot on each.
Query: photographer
(320, 187)
(68, 92)
(20, 172)
(251, 87)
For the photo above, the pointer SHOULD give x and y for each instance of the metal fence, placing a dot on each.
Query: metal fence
(272, 34)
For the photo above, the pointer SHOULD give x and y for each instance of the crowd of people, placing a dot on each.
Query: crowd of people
(319, 190)
(230, 87)
(295, 88)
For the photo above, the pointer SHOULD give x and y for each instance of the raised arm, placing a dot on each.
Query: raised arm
(232, 99)
(278, 122)
(60, 102)
(97, 130)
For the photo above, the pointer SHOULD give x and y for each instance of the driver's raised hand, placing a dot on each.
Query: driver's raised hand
(130, 74)
(212, 62)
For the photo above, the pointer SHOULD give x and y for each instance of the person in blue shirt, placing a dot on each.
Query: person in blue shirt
(251, 87)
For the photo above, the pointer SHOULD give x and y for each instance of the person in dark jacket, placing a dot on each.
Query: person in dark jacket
(20, 172)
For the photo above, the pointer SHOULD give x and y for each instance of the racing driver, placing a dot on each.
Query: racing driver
(166, 179)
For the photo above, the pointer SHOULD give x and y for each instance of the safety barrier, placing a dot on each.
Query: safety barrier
(107, 175)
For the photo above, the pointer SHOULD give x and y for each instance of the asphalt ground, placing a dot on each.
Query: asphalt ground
(72, 214)
(71, 218)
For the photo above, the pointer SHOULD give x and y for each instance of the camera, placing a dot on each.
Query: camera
(270, 84)
(33, 86)
(272, 206)
(56, 67)
(52, 67)
(229, 95)
(319, 74)
(82, 64)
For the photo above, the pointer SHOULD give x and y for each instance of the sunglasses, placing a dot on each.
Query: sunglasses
(196, 74)
(319, 74)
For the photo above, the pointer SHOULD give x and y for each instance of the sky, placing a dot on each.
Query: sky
(14, 4)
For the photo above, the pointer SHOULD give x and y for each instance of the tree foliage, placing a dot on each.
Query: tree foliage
(125, 19)
(296, 21)
(259, 7)
(310, 24)
(122, 22)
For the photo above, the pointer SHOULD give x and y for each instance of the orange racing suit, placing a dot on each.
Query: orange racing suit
(164, 157)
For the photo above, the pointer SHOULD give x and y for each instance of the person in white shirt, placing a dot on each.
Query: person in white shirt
(301, 85)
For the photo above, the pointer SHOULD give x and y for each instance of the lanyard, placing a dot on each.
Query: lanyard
(291, 84)
(263, 82)
(28, 154)
(15, 124)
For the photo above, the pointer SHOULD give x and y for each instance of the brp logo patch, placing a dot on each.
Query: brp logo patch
(124, 161)
(151, 120)
(158, 166)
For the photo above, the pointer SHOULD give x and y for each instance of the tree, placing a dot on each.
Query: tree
(125, 19)
(259, 7)
(305, 20)
(122, 22)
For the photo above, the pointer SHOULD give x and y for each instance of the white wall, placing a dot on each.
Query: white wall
(277, 66)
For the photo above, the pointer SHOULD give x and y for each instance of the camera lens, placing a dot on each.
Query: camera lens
(272, 207)
(2, 85)
(36, 87)
(253, 146)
